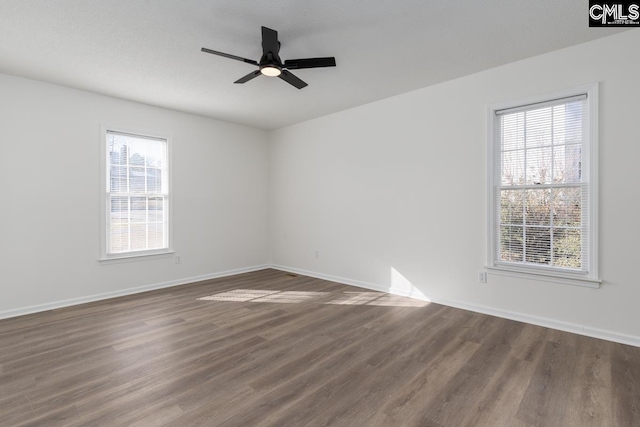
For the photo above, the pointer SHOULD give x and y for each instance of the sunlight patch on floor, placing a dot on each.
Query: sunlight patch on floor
(239, 295)
(290, 297)
(332, 298)
(254, 295)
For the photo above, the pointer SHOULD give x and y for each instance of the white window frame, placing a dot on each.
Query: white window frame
(106, 258)
(590, 278)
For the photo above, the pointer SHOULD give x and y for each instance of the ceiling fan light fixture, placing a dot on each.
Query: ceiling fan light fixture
(270, 71)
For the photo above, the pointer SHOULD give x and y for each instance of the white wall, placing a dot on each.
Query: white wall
(50, 194)
(394, 192)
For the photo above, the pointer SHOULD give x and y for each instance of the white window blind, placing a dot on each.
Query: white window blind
(541, 186)
(136, 194)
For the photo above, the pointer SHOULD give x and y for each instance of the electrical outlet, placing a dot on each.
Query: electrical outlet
(317, 254)
(178, 260)
(482, 277)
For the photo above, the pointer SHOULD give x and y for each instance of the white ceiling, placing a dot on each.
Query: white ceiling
(149, 50)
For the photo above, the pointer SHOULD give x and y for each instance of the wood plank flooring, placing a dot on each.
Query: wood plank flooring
(272, 349)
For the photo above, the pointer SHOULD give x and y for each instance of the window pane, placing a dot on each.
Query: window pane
(138, 237)
(137, 151)
(156, 209)
(538, 245)
(513, 132)
(136, 159)
(138, 209)
(538, 207)
(539, 166)
(559, 125)
(513, 167)
(154, 180)
(117, 149)
(574, 112)
(119, 236)
(136, 180)
(567, 163)
(154, 154)
(512, 206)
(511, 243)
(538, 127)
(156, 236)
(567, 207)
(119, 208)
(567, 248)
(118, 179)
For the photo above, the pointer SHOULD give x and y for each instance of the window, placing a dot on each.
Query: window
(136, 198)
(543, 187)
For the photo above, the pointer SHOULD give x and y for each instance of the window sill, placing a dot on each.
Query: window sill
(130, 257)
(545, 277)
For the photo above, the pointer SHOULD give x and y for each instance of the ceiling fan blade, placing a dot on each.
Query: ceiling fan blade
(291, 79)
(248, 77)
(226, 55)
(270, 41)
(295, 64)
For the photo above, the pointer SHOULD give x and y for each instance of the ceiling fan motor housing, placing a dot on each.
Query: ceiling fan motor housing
(270, 60)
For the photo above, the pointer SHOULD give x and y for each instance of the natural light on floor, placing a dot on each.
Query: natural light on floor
(254, 295)
(402, 285)
(333, 298)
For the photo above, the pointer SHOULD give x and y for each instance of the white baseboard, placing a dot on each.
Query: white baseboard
(545, 322)
(122, 292)
(520, 317)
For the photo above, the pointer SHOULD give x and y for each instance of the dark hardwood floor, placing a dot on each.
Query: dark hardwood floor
(270, 349)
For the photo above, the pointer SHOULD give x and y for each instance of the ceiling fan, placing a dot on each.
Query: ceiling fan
(271, 65)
